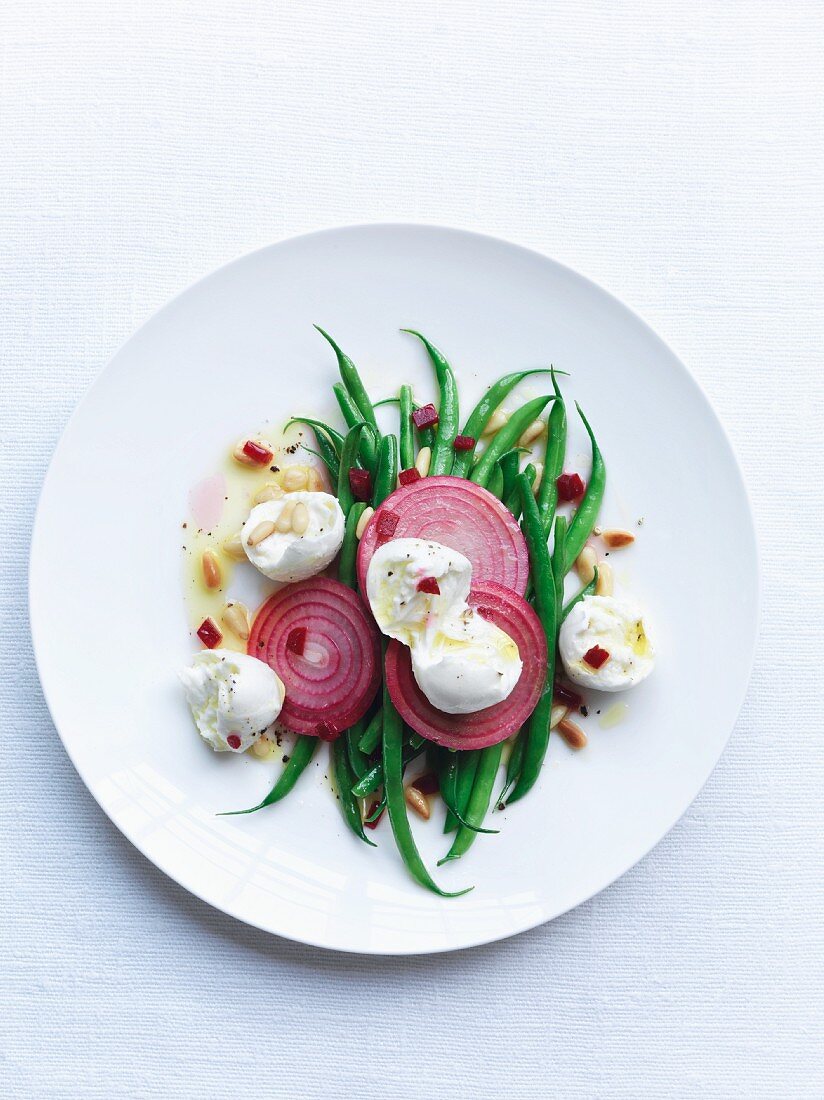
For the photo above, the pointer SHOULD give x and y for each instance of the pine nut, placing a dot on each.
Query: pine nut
(233, 547)
(539, 473)
(585, 564)
(294, 479)
(362, 522)
(417, 802)
(572, 733)
(261, 532)
(211, 569)
(262, 748)
(616, 539)
(270, 491)
(532, 433)
(557, 714)
(236, 617)
(495, 422)
(239, 455)
(605, 585)
(284, 521)
(314, 480)
(300, 518)
(423, 460)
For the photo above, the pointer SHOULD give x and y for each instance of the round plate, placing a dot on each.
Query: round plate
(108, 620)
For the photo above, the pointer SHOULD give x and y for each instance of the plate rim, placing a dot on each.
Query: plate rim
(649, 332)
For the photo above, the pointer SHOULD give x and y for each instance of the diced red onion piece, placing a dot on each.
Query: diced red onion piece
(257, 454)
(425, 417)
(209, 633)
(570, 487)
(385, 524)
(427, 783)
(429, 585)
(360, 482)
(596, 656)
(567, 695)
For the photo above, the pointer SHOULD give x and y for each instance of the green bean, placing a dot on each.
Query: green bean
(467, 766)
(451, 767)
(396, 799)
(513, 501)
(537, 730)
(358, 761)
(558, 565)
(329, 443)
(368, 447)
(479, 800)
(426, 438)
(352, 381)
(318, 427)
(479, 417)
(386, 473)
(347, 461)
(302, 753)
(344, 778)
(349, 410)
(509, 464)
(376, 811)
(587, 590)
(553, 459)
(407, 439)
(371, 739)
(495, 482)
(371, 780)
(347, 572)
(513, 765)
(582, 522)
(443, 451)
(449, 761)
(507, 437)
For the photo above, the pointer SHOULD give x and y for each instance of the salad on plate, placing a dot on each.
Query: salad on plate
(417, 615)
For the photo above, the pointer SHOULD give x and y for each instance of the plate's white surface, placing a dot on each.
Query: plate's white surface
(107, 617)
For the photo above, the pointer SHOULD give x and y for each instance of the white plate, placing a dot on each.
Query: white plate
(107, 616)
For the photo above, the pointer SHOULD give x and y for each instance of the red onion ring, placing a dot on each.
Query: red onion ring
(510, 612)
(330, 685)
(458, 514)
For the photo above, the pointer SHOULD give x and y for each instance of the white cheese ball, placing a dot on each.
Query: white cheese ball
(287, 556)
(392, 579)
(616, 626)
(233, 697)
(469, 664)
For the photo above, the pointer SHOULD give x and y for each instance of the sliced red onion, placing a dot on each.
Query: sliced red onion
(330, 685)
(458, 514)
(512, 614)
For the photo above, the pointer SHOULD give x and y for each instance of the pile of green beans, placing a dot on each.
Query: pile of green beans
(370, 759)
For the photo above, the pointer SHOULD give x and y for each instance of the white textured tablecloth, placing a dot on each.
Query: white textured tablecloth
(671, 151)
